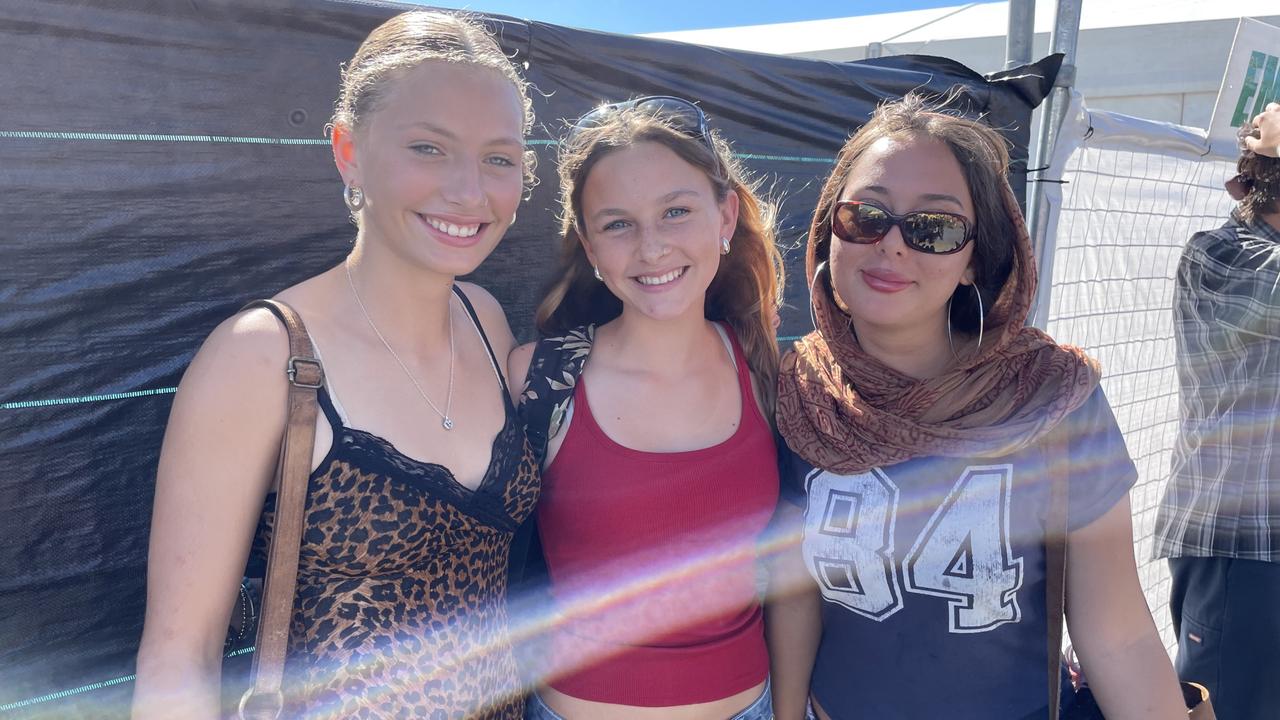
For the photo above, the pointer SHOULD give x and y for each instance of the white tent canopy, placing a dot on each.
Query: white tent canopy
(1157, 59)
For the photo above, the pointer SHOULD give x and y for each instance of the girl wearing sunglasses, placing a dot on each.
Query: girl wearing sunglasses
(650, 390)
(926, 426)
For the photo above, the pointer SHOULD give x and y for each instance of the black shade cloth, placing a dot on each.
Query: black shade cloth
(161, 163)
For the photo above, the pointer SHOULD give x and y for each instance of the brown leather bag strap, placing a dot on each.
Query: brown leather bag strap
(264, 700)
(1057, 464)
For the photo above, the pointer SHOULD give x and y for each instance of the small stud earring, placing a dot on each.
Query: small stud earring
(724, 246)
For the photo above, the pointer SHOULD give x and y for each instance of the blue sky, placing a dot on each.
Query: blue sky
(640, 16)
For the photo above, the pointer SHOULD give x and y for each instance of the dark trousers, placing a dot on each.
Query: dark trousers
(1226, 614)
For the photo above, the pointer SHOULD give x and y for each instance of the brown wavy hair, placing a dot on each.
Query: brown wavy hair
(406, 41)
(1259, 179)
(984, 161)
(747, 287)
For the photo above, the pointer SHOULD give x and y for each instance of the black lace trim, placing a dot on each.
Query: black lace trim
(373, 453)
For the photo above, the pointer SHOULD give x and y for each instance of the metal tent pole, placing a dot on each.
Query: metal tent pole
(1066, 32)
(1021, 34)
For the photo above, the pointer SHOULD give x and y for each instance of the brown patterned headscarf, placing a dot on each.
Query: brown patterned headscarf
(841, 409)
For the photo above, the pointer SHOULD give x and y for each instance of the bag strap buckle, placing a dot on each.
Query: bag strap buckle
(260, 711)
(305, 372)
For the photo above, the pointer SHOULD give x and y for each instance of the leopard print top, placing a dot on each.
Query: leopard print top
(401, 602)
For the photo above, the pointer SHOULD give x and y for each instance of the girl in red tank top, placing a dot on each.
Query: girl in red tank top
(656, 370)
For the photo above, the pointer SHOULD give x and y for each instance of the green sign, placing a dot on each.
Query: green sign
(1259, 86)
(1251, 80)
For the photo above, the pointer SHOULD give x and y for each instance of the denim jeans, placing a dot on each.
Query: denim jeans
(760, 709)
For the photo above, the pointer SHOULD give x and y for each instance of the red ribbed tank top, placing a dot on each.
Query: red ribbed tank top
(652, 561)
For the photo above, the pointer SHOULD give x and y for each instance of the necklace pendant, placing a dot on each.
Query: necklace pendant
(447, 423)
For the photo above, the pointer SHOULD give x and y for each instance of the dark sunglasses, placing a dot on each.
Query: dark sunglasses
(935, 233)
(683, 115)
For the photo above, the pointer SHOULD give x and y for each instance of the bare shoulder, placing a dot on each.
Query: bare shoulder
(237, 374)
(518, 368)
(486, 305)
(492, 317)
(244, 342)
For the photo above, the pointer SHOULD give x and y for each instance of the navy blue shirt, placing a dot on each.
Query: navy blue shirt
(932, 573)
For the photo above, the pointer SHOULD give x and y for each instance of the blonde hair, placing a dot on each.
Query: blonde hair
(747, 287)
(410, 39)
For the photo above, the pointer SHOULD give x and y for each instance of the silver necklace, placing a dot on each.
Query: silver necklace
(445, 420)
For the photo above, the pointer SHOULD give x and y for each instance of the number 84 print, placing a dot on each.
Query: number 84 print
(963, 554)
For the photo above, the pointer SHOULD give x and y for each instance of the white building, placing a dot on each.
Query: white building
(1156, 59)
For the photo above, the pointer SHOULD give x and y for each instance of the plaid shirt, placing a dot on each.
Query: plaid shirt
(1223, 498)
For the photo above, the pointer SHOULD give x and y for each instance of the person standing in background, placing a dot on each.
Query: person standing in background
(1219, 521)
